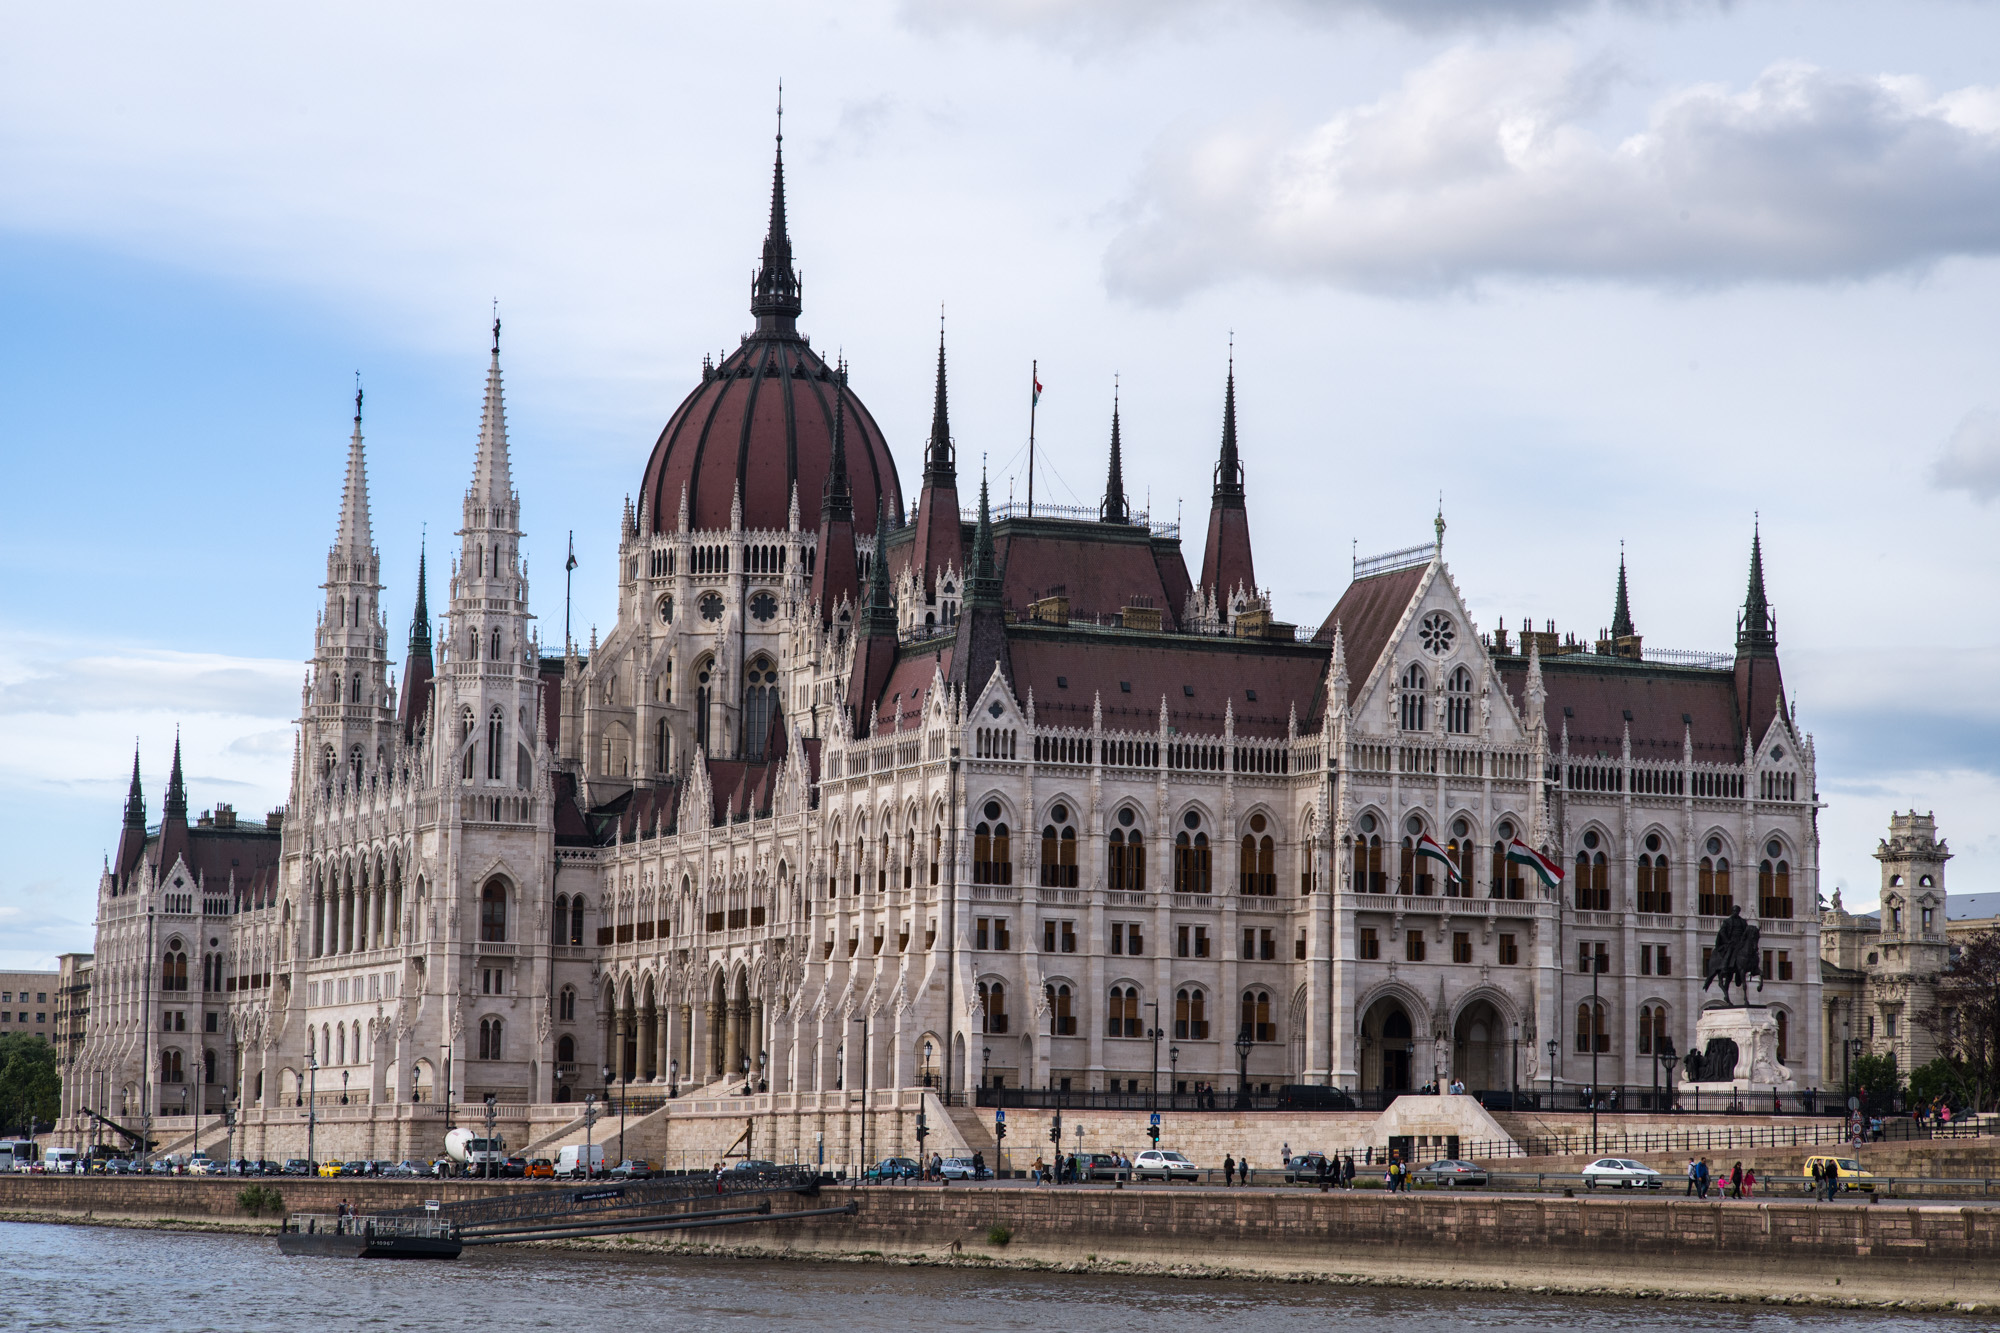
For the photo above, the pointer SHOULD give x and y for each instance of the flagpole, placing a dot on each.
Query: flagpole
(1034, 398)
(569, 568)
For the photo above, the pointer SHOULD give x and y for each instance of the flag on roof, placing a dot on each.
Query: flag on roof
(1036, 380)
(1428, 846)
(1520, 853)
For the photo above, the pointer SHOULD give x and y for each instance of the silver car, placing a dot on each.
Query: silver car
(1620, 1173)
(1160, 1164)
(1448, 1173)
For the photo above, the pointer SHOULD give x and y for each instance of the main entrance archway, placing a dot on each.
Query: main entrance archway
(1479, 1048)
(1386, 1033)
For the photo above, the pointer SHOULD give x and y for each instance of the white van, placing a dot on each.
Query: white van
(571, 1161)
(63, 1160)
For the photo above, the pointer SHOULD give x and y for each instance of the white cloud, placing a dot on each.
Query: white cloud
(1091, 22)
(1484, 163)
(1970, 459)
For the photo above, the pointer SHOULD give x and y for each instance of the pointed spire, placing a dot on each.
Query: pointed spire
(983, 587)
(881, 608)
(176, 808)
(774, 295)
(838, 499)
(492, 480)
(940, 460)
(1758, 627)
(1229, 468)
(354, 538)
(1621, 611)
(420, 622)
(135, 799)
(1115, 509)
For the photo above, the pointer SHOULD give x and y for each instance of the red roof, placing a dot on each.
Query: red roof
(1066, 668)
(1103, 567)
(1368, 613)
(1599, 691)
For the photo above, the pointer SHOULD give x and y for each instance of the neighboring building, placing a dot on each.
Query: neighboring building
(1016, 788)
(28, 1003)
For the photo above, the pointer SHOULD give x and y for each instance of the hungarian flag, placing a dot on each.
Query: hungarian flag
(1427, 846)
(1520, 853)
(1038, 391)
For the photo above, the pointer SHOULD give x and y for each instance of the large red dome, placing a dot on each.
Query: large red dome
(762, 421)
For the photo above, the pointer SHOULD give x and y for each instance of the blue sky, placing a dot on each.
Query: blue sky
(1594, 271)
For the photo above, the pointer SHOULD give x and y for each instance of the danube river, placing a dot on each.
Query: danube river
(101, 1278)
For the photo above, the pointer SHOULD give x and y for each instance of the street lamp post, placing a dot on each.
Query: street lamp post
(1243, 1044)
(1596, 1037)
(763, 1063)
(1514, 1076)
(1553, 1047)
(985, 1059)
(490, 1165)
(343, 1086)
(1155, 1034)
(1173, 1075)
(312, 1108)
(673, 1078)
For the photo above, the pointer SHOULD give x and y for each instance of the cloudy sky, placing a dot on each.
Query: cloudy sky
(1593, 271)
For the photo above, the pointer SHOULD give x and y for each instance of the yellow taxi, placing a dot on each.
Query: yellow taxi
(329, 1169)
(1848, 1171)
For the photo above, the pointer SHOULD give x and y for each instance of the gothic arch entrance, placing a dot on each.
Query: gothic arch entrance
(1386, 1046)
(1479, 1048)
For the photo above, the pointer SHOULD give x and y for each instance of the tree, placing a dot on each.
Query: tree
(1874, 1079)
(30, 1089)
(1965, 1020)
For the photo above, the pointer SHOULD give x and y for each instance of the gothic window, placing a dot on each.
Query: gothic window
(1458, 702)
(763, 607)
(576, 919)
(1589, 1025)
(1459, 848)
(1255, 1019)
(1591, 881)
(1656, 892)
(493, 913)
(465, 741)
(701, 707)
(711, 606)
(1368, 876)
(1653, 1030)
(760, 706)
(489, 1038)
(473, 643)
(170, 1067)
(566, 1049)
(1192, 860)
(1124, 1020)
(174, 967)
(993, 1006)
(494, 651)
(1413, 698)
(1257, 870)
(1062, 1018)
(494, 749)
(1712, 883)
(909, 853)
(1774, 886)
(561, 919)
(340, 1044)
(937, 849)
(660, 755)
(1059, 850)
(354, 690)
(1435, 633)
(992, 861)
(1190, 1014)
(1126, 857)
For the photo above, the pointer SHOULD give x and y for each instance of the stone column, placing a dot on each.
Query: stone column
(757, 1043)
(732, 1045)
(620, 1025)
(648, 1043)
(712, 1031)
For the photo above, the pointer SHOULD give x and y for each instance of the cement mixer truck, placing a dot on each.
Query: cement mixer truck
(473, 1154)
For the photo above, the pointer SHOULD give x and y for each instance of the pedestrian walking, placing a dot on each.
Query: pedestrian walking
(1243, 1169)
(1694, 1175)
(1750, 1183)
(1228, 1169)
(1288, 1152)
(1347, 1172)
(1736, 1181)
(1701, 1178)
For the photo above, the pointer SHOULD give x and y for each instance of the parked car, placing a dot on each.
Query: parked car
(1163, 1164)
(540, 1168)
(298, 1166)
(1449, 1173)
(355, 1168)
(514, 1168)
(579, 1160)
(632, 1168)
(328, 1169)
(1105, 1166)
(1314, 1097)
(266, 1167)
(1851, 1176)
(752, 1165)
(117, 1166)
(1306, 1166)
(1620, 1173)
(962, 1168)
(892, 1168)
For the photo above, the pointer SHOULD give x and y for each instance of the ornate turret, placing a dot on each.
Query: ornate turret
(774, 294)
(418, 667)
(1760, 686)
(1757, 627)
(982, 627)
(836, 571)
(1114, 509)
(938, 542)
(1226, 564)
(1622, 640)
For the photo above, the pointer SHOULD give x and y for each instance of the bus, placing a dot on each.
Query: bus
(18, 1154)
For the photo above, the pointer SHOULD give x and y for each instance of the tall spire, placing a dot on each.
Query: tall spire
(1114, 509)
(135, 799)
(1228, 468)
(176, 808)
(1758, 627)
(1621, 612)
(940, 460)
(492, 479)
(774, 294)
(420, 623)
(880, 617)
(983, 587)
(353, 536)
(838, 498)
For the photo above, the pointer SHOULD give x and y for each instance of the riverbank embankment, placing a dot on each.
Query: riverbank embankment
(1920, 1256)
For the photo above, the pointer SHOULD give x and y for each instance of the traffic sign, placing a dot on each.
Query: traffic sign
(1854, 1103)
(1156, 1118)
(1000, 1113)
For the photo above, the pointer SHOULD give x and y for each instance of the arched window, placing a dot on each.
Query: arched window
(1413, 698)
(472, 643)
(1458, 702)
(566, 1004)
(1368, 874)
(1656, 892)
(1124, 1020)
(1125, 859)
(909, 853)
(1774, 884)
(992, 861)
(1413, 871)
(702, 701)
(1653, 1029)
(1062, 1019)
(170, 1067)
(1459, 849)
(1593, 893)
(993, 1006)
(1190, 1014)
(660, 751)
(494, 640)
(495, 729)
(1712, 883)
(1589, 1024)
(937, 850)
(465, 730)
(760, 705)
(565, 1049)
(1059, 850)
(1784, 1032)
(340, 1044)
(1257, 865)
(489, 1039)
(174, 967)
(1193, 864)
(1256, 1016)
(493, 913)
(576, 919)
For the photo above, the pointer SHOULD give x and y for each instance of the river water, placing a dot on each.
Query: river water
(102, 1278)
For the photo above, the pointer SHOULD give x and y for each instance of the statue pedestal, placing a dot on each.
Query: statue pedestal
(1754, 1031)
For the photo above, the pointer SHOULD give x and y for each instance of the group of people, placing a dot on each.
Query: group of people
(1072, 1168)
(1737, 1183)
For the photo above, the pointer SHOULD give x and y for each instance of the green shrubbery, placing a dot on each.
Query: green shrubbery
(257, 1200)
(998, 1236)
